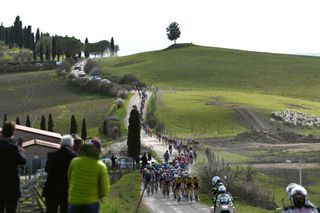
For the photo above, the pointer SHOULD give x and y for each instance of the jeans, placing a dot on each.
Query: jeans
(90, 208)
(8, 205)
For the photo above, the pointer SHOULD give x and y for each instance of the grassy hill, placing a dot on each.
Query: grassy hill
(201, 68)
(41, 93)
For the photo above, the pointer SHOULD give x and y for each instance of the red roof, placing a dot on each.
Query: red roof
(37, 131)
(41, 143)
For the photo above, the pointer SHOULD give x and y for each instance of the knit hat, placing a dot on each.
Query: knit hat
(95, 142)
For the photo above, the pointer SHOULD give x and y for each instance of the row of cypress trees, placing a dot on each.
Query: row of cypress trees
(73, 124)
(42, 44)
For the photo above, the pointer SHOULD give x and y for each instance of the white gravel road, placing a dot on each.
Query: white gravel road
(157, 203)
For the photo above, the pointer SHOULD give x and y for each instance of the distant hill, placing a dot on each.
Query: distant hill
(188, 66)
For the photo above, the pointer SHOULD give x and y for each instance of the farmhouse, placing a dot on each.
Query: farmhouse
(36, 143)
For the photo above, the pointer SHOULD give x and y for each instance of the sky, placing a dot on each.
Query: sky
(278, 26)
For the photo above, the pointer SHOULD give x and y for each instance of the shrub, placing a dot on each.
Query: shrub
(91, 65)
(119, 103)
(240, 181)
(131, 80)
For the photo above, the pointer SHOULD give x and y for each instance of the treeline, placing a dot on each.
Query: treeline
(47, 47)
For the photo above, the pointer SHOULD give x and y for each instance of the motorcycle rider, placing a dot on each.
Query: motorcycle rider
(299, 201)
(216, 182)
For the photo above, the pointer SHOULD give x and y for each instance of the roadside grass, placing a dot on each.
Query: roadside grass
(210, 114)
(208, 68)
(124, 195)
(41, 93)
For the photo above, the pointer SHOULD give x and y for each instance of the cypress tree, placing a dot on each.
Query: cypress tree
(41, 52)
(18, 120)
(34, 49)
(4, 118)
(86, 52)
(105, 128)
(54, 51)
(84, 130)
(28, 123)
(47, 53)
(38, 35)
(43, 123)
(73, 125)
(112, 47)
(134, 142)
(50, 123)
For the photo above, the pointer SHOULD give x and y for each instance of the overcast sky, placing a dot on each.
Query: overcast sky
(282, 26)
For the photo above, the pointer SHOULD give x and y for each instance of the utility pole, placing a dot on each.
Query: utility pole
(300, 173)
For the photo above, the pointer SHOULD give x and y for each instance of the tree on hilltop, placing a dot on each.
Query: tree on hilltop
(173, 32)
(112, 47)
(86, 50)
(54, 48)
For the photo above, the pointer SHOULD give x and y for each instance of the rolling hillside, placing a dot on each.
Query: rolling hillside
(207, 68)
(41, 93)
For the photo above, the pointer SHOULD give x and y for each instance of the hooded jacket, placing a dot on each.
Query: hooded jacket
(88, 177)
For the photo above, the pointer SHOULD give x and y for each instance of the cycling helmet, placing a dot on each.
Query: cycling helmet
(215, 179)
(222, 189)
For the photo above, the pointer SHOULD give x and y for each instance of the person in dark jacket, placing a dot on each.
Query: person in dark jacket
(11, 156)
(56, 187)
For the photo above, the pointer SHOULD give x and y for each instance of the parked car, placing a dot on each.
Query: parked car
(81, 74)
(126, 163)
(77, 68)
(95, 78)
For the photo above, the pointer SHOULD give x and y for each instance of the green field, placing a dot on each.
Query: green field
(41, 93)
(207, 68)
(210, 113)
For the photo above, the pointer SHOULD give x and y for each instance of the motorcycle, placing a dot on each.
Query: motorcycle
(223, 204)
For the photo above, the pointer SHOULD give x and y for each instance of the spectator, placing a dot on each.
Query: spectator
(10, 157)
(113, 161)
(77, 142)
(166, 156)
(88, 179)
(149, 156)
(56, 187)
(144, 161)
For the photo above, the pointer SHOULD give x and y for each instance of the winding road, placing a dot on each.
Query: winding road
(157, 203)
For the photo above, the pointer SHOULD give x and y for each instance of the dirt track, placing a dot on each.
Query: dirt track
(250, 119)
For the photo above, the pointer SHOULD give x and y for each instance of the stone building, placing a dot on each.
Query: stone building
(36, 143)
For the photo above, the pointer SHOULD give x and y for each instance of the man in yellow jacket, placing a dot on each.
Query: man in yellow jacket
(88, 179)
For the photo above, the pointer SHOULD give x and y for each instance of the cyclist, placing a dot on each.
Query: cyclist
(189, 188)
(178, 187)
(195, 182)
